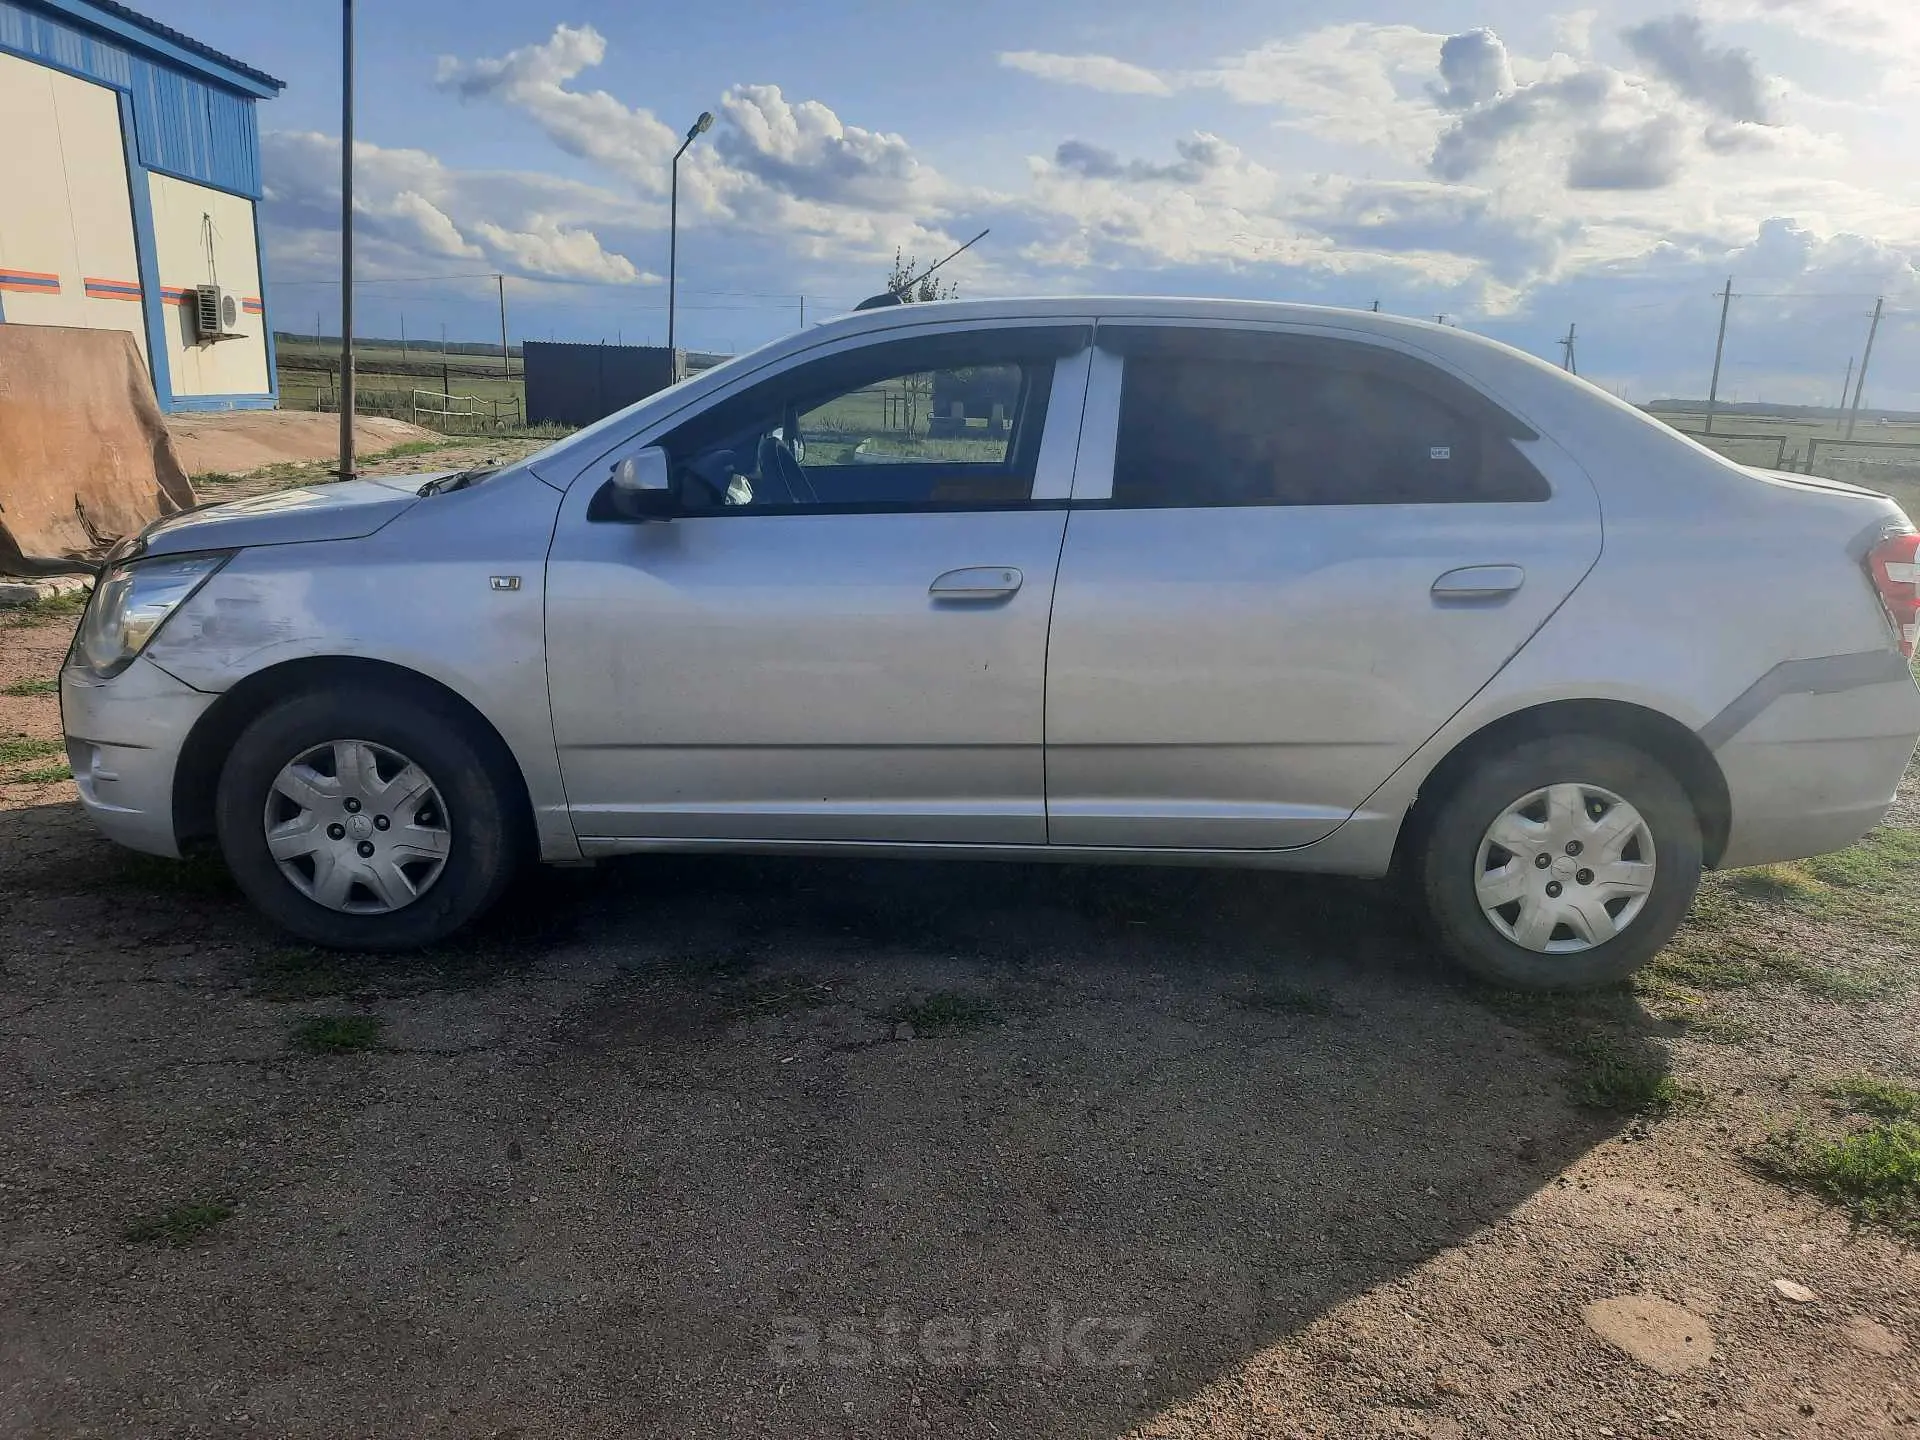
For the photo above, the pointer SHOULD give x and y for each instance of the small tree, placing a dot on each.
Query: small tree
(916, 391)
(901, 282)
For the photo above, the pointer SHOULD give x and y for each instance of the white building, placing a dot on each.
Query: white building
(130, 182)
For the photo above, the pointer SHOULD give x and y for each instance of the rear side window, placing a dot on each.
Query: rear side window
(1200, 431)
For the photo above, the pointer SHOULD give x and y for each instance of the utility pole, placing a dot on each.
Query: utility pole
(803, 312)
(403, 337)
(1719, 347)
(446, 381)
(346, 239)
(1866, 359)
(506, 365)
(1846, 385)
(1569, 364)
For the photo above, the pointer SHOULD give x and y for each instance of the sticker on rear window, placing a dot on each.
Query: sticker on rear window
(1440, 452)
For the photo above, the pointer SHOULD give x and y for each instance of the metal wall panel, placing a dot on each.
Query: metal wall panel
(184, 125)
(579, 384)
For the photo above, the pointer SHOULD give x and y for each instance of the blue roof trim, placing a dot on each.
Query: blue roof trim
(184, 124)
(129, 27)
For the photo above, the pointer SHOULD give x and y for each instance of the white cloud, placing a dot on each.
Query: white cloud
(411, 210)
(1725, 79)
(547, 248)
(1474, 69)
(806, 151)
(592, 124)
(1094, 72)
(1358, 83)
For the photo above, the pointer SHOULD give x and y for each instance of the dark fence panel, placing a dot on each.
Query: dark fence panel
(579, 384)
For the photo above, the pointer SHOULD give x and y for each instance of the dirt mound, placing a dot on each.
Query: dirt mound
(236, 441)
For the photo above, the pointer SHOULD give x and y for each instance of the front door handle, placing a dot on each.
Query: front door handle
(978, 582)
(1479, 582)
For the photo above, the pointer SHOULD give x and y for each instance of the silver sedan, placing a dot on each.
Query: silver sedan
(1189, 582)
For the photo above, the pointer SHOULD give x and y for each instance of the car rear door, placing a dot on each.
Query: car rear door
(1291, 558)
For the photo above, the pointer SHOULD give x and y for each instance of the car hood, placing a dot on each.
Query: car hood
(345, 510)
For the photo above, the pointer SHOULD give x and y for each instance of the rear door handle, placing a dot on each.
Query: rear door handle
(978, 582)
(1479, 582)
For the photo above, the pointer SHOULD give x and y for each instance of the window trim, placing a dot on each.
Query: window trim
(1116, 343)
(1066, 345)
(1330, 352)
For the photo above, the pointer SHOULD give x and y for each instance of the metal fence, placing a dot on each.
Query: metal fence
(451, 413)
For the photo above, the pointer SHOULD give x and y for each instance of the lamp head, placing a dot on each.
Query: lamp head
(702, 125)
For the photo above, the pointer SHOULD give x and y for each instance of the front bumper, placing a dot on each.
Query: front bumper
(124, 738)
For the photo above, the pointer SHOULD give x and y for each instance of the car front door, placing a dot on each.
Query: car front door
(1291, 559)
(841, 636)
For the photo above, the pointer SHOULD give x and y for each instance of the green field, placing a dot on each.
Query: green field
(386, 377)
(1751, 440)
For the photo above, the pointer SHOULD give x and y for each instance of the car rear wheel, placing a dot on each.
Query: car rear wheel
(1563, 864)
(366, 821)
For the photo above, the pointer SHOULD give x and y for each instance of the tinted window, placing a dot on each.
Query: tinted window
(1197, 431)
(951, 421)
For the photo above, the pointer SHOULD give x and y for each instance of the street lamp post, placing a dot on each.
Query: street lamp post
(698, 128)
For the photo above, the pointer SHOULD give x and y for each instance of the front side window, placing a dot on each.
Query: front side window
(949, 422)
(1198, 431)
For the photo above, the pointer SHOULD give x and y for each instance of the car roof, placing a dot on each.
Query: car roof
(1107, 307)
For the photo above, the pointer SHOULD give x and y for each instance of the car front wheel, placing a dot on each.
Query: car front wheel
(366, 821)
(1563, 864)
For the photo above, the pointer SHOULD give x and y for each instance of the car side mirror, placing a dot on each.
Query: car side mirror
(642, 486)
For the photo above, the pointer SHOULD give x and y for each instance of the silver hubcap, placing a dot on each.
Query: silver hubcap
(1565, 868)
(357, 827)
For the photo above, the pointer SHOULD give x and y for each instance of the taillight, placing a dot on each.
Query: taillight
(1895, 566)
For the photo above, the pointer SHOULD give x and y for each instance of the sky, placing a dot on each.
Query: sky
(1516, 168)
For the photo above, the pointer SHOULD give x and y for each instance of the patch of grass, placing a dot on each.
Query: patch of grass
(1708, 961)
(1614, 1064)
(19, 749)
(774, 995)
(1887, 857)
(416, 447)
(1721, 1029)
(946, 1012)
(46, 775)
(1611, 1076)
(1282, 999)
(1848, 987)
(1874, 1173)
(180, 1225)
(1870, 1095)
(213, 477)
(1787, 883)
(20, 689)
(339, 1034)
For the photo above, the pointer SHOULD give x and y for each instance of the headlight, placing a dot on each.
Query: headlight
(130, 604)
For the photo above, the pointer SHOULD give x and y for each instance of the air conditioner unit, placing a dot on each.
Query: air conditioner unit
(216, 313)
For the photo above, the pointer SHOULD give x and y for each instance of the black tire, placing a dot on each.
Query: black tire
(486, 841)
(1449, 852)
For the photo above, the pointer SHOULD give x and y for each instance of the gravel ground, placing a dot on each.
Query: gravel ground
(792, 1148)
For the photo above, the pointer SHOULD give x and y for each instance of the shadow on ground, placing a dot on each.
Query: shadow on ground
(745, 1147)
